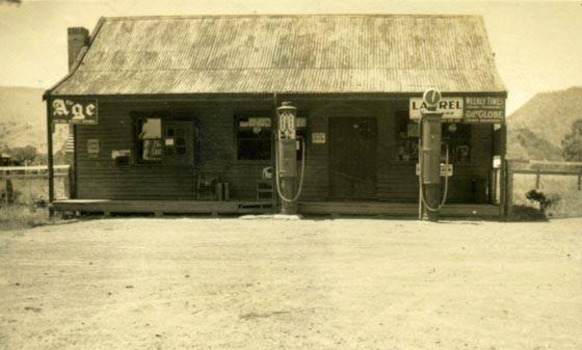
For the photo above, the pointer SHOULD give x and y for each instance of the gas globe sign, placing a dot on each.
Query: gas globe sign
(74, 111)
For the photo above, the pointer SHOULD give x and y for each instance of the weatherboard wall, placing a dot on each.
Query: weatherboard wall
(99, 178)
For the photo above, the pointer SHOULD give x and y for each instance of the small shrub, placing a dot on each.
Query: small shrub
(543, 201)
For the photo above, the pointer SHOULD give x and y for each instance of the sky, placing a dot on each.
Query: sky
(537, 44)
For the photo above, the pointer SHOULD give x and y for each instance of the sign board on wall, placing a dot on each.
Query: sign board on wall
(255, 123)
(266, 123)
(74, 111)
(451, 107)
(119, 153)
(318, 138)
(464, 109)
(484, 109)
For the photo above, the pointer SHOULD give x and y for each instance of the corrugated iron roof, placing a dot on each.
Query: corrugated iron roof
(286, 54)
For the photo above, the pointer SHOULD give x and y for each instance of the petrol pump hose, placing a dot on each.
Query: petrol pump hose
(300, 188)
(420, 162)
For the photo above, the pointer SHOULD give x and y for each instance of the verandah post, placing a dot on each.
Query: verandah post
(50, 161)
(502, 171)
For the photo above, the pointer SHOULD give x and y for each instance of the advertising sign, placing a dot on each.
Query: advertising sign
(463, 109)
(74, 111)
(484, 109)
(451, 107)
(119, 153)
(318, 138)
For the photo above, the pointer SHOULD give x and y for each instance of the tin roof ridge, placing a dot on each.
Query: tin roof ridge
(296, 15)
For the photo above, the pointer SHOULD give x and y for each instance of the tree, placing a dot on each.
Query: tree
(10, 2)
(24, 155)
(572, 143)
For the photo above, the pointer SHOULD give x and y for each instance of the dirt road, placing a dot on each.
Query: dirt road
(310, 284)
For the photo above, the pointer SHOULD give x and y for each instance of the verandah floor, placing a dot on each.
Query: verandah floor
(161, 207)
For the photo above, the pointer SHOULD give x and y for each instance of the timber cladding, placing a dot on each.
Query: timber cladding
(100, 177)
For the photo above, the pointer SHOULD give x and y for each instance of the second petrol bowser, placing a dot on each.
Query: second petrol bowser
(430, 167)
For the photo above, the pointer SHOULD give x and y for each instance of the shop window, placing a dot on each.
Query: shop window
(254, 135)
(456, 135)
(175, 141)
(149, 142)
(253, 138)
(406, 138)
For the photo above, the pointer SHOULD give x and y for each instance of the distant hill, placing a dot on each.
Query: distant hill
(536, 129)
(23, 120)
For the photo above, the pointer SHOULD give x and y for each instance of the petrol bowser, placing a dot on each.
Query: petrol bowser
(286, 159)
(430, 170)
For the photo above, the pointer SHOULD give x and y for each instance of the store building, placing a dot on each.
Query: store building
(176, 114)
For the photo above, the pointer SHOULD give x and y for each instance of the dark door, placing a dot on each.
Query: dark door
(352, 158)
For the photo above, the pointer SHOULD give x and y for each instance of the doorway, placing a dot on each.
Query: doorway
(352, 158)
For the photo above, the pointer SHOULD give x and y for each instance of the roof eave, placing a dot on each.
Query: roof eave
(269, 95)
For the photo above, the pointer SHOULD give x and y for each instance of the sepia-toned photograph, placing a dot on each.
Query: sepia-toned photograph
(290, 174)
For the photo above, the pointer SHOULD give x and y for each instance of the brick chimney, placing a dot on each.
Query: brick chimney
(78, 37)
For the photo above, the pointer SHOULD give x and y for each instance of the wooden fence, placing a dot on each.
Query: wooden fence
(24, 176)
(540, 168)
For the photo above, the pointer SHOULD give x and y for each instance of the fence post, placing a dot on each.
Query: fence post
(538, 175)
(509, 191)
(579, 179)
(502, 176)
(50, 160)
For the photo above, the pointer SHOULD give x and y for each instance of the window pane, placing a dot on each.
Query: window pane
(152, 149)
(254, 149)
(407, 138)
(149, 140)
(253, 138)
(459, 142)
(151, 128)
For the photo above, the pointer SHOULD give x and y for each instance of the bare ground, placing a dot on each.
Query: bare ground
(310, 284)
